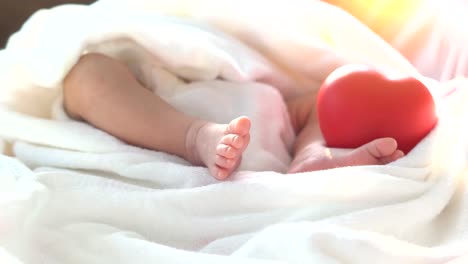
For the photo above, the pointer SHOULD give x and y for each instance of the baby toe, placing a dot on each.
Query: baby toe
(233, 140)
(221, 173)
(226, 151)
(223, 162)
(240, 126)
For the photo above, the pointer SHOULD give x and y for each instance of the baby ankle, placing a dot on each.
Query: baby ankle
(191, 151)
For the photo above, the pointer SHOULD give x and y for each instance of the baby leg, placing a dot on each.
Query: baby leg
(103, 92)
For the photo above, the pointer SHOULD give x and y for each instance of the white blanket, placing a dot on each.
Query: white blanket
(74, 194)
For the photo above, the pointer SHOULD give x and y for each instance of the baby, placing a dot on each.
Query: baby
(104, 92)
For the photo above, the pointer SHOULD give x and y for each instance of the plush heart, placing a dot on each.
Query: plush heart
(357, 104)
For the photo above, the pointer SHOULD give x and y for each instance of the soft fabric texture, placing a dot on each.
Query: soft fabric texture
(74, 194)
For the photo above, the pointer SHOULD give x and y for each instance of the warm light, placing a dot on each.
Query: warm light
(385, 17)
(452, 15)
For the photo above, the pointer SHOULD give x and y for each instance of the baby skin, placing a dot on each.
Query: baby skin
(103, 92)
(309, 152)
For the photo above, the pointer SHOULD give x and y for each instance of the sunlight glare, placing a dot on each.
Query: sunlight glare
(452, 15)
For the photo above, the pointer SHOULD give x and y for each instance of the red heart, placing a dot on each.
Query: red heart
(357, 104)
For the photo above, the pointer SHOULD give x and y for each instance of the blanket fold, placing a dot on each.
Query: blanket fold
(71, 193)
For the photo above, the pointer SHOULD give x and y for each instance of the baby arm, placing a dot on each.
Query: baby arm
(310, 153)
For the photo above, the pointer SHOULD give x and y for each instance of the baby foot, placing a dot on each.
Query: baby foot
(317, 157)
(218, 146)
